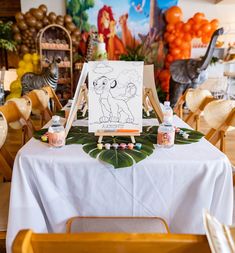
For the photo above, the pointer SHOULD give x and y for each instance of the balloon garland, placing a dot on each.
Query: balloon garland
(29, 63)
(28, 25)
(178, 37)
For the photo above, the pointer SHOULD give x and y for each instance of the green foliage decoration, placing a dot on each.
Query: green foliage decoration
(6, 41)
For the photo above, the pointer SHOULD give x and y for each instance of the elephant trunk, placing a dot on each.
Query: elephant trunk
(210, 50)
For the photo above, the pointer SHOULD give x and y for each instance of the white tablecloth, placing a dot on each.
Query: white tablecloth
(51, 185)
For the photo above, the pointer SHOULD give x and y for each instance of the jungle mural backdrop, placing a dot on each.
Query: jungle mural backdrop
(131, 29)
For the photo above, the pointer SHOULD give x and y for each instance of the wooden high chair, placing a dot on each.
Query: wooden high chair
(28, 242)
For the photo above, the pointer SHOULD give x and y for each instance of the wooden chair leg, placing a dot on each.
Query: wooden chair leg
(197, 119)
(222, 141)
(5, 168)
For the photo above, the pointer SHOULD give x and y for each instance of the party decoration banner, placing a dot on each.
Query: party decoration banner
(115, 95)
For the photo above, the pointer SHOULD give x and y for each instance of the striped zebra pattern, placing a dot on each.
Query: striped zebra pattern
(31, 81)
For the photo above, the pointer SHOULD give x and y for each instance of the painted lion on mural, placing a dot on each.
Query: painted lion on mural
(106, 26)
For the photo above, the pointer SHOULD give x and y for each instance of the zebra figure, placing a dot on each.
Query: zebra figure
(49, 76)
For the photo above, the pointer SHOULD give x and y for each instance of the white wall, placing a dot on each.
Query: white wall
(223, 12)
(57, 6)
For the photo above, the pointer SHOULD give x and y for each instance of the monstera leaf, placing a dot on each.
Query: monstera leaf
(121, 158)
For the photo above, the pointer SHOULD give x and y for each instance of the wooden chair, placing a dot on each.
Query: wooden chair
(220, 116)
(6, 161)
(57, 105)
(196, 100)
(80, 224)
(40, 101)
(28, 242)
(178, 109)
(4, 207)
(5, 172)
(220, 237)
(17, 112)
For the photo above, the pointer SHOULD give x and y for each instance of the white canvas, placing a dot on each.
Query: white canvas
(115, 95)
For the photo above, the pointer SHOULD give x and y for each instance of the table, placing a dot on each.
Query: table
(51, 185)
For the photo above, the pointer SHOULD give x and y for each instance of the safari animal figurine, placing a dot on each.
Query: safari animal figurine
(190, 73)
(31, 81)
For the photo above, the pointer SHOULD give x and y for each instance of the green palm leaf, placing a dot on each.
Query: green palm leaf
(121, 158)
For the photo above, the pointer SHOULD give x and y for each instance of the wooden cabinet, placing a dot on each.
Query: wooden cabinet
(54, 41)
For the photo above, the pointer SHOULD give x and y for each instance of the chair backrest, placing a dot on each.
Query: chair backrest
(54, 98)
(195, 98)
(117, 224)
(28, 242)
(5, 167)
(218, 235)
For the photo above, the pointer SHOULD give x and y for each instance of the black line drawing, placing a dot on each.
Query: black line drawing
(114, 94)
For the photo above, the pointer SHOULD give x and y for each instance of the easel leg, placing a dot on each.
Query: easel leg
(100, 139)
(132, 139)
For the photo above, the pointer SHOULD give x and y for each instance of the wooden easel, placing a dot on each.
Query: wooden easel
(148, 93)
(83, 99)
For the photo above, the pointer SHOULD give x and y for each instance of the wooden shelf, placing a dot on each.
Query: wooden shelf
(52, 50)
(56, 49)
(60, 66)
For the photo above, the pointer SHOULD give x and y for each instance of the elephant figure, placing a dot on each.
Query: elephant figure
(190, 73)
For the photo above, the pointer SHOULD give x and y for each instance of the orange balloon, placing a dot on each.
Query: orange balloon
(206, 28)
(179, 25)
(164, 75)
(190, 21)
(177, 42)
(169, 58)
(167, 65)
(198, 17)
(199, 33)
(170, 27)
(196, 27)
(171, 38)
(205, 39)
(175, 51)
(187, 37)
(185, 45)
(214, 23)
(187, 27)
(173, 15)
